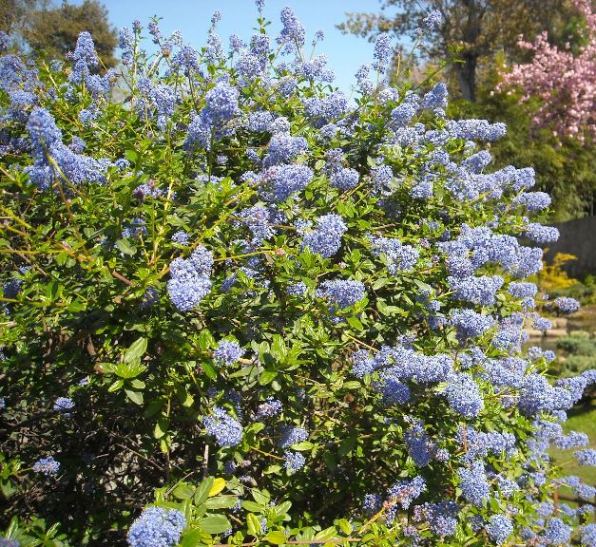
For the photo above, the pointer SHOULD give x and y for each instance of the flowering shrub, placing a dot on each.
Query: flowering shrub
(266, 313)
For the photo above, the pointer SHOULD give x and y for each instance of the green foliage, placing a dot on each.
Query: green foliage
(579, 354)
(52, 31)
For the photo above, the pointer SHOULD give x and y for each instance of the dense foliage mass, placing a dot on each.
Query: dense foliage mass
(266, 313)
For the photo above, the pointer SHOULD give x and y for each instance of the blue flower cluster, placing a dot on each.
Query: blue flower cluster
(157, 527)
(189, 279)
(345, 178)
(293, 460)
(399, 257)
(270, 408)
(464, 396)
(342, 292)
(64, 405)
(499, 528)
(226, 430)
(325, 239)
(290, 435)
(48, 466)
(474, 483)
(227, 352)
(55, 161)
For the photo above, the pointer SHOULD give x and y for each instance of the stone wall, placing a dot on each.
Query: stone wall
(578, 237)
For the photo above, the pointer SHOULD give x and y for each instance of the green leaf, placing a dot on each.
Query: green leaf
(131, 156)
(129, 370)
(125, 247)
(209, 371)
(218, 485)
(214, 524)
(252, 506)
(136, 350)
(355, 323)
(205, 340)
(272, 469)
(116, 386)
(345, 526)
(282, 508)
(202, 492)
(253, 524)
(261, 497)
(304, 445)
(326, 534)
(161, 428)
(277, 538)
(183, 491)
(278, 348)
(135, 396)
(266, 377)
(221, 502)
(193, 538)
(347, 445)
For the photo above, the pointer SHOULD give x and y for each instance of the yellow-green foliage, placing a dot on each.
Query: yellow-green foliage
(553, 277)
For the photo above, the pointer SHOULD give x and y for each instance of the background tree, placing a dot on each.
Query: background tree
(471, 31)
(14, 14)
(51, 31)
(564, 80)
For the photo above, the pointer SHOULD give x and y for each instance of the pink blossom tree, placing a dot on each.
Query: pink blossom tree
(565, 82)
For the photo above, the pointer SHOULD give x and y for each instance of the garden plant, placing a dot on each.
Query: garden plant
(242, 308)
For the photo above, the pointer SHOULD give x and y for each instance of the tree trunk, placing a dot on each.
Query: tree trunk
(466, 76)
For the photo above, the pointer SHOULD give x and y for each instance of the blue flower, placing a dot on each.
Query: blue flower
(541, 234)
(48, 466)
(436, 97)
(271, 407)
(567, 305)
(464, 396)
(157, 527)
(64, 404)
(227, 352)
(293, 460)
(588, 537)
(400, 257)
(382, 52)
(189, 282)
(433, 20)
(325, 239)
(499, 528)
(221, 103)
(586, 457)
(290, 435)
(557, 532)
(226, 430)
(292, 33)
(342, 292)
(406, 491)
(470, 324)
(473, 483)
(345, 178)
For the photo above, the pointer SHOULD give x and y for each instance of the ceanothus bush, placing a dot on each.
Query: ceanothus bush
(241, 308)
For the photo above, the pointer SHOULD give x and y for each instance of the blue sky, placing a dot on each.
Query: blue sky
(345, 52)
